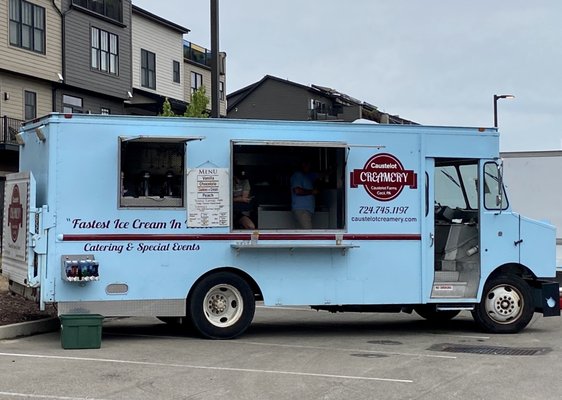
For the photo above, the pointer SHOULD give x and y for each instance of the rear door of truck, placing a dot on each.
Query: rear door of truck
(19, 225)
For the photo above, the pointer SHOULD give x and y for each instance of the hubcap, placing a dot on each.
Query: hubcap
(504, 304)
(223, 305)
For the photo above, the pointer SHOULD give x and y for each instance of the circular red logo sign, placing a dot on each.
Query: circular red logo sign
(15, 214)
(383, 177)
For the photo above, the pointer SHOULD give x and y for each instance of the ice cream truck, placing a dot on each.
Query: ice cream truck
(140, 216)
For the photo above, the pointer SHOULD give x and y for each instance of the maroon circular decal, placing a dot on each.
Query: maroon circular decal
(383, 177)
(15, 214)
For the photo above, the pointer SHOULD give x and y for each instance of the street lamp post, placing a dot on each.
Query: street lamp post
(496, 98)
(215, 73)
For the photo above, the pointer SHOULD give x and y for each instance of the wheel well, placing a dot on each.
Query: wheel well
(515, 269)
(255, 287)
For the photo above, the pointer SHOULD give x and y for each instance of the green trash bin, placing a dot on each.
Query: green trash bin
(80, 331)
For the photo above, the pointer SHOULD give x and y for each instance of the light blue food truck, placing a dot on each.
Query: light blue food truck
(137, 216)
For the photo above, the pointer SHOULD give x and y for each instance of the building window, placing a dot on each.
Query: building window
(71, 104)
(105, 111)
(148, 69)
(176, 68)
(108, 8)
(105, 51)
(30, 106)
(221, 90)
(27, 26)
(196, 81)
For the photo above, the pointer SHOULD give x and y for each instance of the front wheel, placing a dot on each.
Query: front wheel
(506, 305)
(221, 306)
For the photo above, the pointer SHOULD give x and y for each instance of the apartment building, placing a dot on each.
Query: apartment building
(197, 71)
(157, 61)
(30, 64)
(92, 56)
(96, 57)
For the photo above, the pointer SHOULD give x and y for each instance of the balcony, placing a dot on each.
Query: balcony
(9, 127)
(111, 9)
(197, 54)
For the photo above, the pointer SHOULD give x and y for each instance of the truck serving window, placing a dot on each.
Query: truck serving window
(288, 186)
(151, 173)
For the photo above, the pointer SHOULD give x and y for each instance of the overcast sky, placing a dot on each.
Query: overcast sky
(436, 62)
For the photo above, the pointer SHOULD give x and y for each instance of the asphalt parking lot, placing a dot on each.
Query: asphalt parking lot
(292, 354)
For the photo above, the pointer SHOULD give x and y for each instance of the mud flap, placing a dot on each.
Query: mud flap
(547, 299)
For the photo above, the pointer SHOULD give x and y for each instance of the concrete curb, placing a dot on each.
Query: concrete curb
(29, 328)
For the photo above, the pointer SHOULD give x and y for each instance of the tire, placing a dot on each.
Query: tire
(429, 312)
(506, 305)
(221, 306)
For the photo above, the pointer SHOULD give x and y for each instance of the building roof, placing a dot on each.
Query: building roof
(240, 94)
(160, 20)
(368, 111)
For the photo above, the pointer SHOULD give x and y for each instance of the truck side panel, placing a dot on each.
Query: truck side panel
(149, 254)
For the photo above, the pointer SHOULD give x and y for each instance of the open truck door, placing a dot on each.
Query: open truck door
(21, 238)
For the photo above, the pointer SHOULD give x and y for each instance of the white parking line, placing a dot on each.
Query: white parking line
(296, 346)
(45, 396)
(246, 370)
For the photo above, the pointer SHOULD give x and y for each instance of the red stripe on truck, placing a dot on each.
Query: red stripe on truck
(232, 236)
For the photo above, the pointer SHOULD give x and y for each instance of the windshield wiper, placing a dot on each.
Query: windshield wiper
(451, 178)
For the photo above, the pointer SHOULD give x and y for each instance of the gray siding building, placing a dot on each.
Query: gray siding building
(97, 75)
(281, 99)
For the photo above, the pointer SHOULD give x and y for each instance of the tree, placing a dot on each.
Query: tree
(167, 109)
(198, 106)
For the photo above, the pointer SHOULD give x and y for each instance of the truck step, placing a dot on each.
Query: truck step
(446, 276)
(455, 307)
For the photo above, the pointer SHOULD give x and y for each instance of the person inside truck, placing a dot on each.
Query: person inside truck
(242, 201)
(303, 195)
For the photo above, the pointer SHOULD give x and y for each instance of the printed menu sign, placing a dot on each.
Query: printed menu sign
(208, 203)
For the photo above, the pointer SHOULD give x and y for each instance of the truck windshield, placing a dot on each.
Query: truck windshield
(456, 185)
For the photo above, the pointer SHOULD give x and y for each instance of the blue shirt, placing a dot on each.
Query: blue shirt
(304, 181)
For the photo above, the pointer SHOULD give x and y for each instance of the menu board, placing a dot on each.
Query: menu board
(208, 203)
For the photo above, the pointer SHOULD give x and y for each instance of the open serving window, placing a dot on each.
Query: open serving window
(266, 173)
(152, 171)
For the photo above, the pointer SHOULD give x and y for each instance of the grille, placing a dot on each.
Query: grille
(491, 350)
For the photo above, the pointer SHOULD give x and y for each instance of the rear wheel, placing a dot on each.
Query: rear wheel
(506, 305)
(430, 312)
(221, 306)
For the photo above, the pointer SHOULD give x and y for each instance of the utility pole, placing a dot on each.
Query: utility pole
(215, 73)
